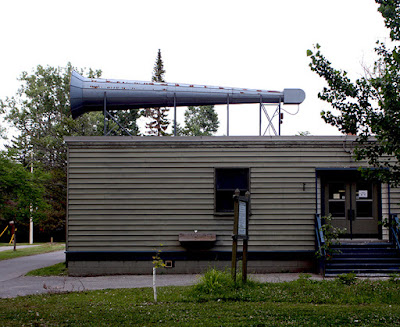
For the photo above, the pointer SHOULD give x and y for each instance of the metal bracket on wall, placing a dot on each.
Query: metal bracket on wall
(108, 117)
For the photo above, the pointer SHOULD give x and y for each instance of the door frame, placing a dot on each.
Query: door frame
(348, 175)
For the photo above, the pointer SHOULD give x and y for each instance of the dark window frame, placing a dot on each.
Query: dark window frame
(231, 191)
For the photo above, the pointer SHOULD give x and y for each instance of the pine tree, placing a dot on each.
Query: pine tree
(158, 70)
(159, 122)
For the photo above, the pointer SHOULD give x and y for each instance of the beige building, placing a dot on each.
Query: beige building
(131, 196)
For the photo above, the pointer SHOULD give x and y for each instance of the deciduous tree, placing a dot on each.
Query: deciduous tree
(200, 121)
(40, 111)
(19, 191)
(370, 106)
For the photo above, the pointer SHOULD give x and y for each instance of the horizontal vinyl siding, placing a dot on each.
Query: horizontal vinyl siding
(136, 196)
(395, 201)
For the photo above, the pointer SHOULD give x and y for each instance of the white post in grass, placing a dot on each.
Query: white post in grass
(154, 284)
(157, 263)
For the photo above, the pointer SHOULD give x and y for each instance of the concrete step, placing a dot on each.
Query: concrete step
(375, 258)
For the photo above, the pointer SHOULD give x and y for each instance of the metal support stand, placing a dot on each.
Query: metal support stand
(108, 116)
(270, 119)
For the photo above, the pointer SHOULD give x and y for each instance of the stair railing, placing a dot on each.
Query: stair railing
(395, 229)
(320, 242)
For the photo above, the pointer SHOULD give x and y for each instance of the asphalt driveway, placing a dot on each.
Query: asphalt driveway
(13, 281)
(13, 268)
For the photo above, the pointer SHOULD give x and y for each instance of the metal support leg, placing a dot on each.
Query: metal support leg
(105, 113)
(259, 130)
(227, 116)
(174, 114)
(279, 118)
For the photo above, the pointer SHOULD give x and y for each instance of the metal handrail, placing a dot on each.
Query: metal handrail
(320, 242)
(394, 226)
(319, 235)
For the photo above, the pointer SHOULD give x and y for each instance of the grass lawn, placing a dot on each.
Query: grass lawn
(58, 269)
(44, 248)
(300, 303)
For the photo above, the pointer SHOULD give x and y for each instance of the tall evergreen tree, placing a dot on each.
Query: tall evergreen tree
(159, 122)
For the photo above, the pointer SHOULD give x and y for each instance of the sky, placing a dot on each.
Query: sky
(258, 44)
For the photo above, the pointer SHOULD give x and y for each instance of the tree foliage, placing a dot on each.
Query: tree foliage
(40, 111)
(200, 121)
(158, 70)
(159, 122)
(370, 106)
(19, 191)
(126, 118)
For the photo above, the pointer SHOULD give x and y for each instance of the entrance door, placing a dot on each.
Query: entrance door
(354, 205)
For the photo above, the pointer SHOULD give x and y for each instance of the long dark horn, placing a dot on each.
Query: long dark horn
(88, 94)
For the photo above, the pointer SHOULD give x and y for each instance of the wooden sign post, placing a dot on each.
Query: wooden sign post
(240, 231)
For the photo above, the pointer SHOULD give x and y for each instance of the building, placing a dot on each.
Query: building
(131, 196)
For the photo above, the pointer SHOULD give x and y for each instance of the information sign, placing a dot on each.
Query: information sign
(242, 218)
(363, 194)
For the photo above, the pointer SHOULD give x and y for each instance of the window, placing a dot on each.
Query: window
(227, 180)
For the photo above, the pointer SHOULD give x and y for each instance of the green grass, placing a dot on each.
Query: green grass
(133, 308)
(58, 269)
(300, 303)
(11, 254)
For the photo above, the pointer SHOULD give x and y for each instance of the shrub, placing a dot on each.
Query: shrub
(215, 281)
(347, 279)
(331, 235)
(219, 284)
(394, 278)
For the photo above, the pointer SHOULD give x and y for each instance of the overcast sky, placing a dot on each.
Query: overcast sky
(250, 44)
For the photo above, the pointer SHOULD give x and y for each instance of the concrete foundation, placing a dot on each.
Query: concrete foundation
(98, 268)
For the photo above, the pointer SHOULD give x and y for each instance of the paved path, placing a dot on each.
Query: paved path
(11, 247)
(36, 285)
(13, 283)
(13, 268)
(28, 285)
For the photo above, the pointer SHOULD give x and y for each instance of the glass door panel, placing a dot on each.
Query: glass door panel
(354, 205)
(337, 203)
(366, 208)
